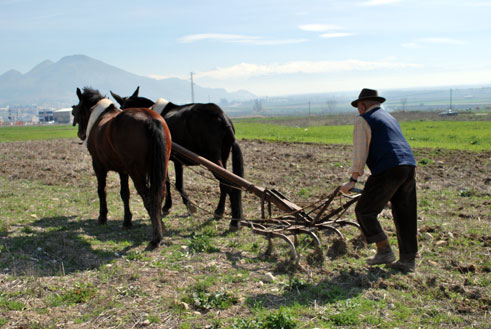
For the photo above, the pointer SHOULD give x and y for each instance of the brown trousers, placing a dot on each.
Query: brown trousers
(397, 185)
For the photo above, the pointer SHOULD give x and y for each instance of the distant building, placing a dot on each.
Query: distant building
(45, 116)
(63, 115)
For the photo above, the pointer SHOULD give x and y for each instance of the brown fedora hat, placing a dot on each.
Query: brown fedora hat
(367, 94)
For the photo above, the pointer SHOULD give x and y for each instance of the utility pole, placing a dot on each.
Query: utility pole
(192, 88)
(450, 99)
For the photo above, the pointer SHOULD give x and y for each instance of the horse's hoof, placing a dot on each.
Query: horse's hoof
(102, 220)
(191, 209)
(165, 212)
(152, 245)
(234, 226)
(217, 215)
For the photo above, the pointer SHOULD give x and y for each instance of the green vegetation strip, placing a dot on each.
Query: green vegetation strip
(456, 135)
(24, 133)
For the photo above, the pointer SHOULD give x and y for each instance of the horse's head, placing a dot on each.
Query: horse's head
(133, 100)
(122, 100)
(81, 111)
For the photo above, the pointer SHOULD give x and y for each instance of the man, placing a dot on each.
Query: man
(379, 143)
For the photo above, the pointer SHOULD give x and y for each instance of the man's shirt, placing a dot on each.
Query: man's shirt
(362, 135)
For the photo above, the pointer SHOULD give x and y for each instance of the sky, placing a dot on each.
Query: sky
(270, 48)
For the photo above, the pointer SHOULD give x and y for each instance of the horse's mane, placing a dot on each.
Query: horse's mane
(92, 96)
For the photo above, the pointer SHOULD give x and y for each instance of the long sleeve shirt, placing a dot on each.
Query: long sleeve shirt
(362, 135)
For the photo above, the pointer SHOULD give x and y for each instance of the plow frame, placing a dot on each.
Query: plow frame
(296, 220)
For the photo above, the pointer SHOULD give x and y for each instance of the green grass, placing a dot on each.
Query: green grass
(462, 135)
(11, 134)
(457, 135)
(315, 134)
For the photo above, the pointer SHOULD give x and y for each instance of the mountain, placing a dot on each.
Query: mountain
(53, 84)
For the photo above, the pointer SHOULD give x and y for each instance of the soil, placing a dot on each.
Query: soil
(290, 167)
(304, 173)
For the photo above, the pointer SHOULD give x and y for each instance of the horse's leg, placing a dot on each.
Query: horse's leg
(101, 175)
(179, 186)
(152, 206)
(227, 189)
(235, 192)
(168, 198)
(236, 205)
(125, 196)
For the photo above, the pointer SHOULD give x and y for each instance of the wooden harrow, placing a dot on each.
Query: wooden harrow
(324, 215)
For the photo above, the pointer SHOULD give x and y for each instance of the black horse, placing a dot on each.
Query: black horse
(205, 130)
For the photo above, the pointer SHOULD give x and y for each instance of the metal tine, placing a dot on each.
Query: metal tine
(326, 204)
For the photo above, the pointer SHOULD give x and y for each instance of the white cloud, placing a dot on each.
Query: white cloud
(411, 45)
(158, 76)
(319, 27)
(336, 35)
(247, 70)
(419, 43)
(379, 2)
(216, 36)
(446, 41)
(237, 38)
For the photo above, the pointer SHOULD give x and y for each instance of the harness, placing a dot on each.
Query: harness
(160, 105)
(95, 113)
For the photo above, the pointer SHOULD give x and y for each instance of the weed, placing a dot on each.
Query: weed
(11, 305)
(346, 318)
(281, 319)
(201, 243)
(134, 255)
(131, 291)
(425, 162)
(4, 227)
(305, 192)
(295, 283)
(466, 193)
(202, 299)
(153, 318)
(80, 294)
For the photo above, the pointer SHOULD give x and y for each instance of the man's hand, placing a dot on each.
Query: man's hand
(347, 187)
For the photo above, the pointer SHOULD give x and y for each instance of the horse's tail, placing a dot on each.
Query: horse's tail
(156, 158)
(236, 193)
(237, 159)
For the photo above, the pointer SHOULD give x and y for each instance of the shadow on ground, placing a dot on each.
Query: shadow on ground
(63, 245)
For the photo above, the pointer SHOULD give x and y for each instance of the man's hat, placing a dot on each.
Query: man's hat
(367, 94)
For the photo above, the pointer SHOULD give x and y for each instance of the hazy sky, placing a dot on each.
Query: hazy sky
(266, 47)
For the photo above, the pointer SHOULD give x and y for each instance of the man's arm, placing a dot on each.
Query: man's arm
(361, 142)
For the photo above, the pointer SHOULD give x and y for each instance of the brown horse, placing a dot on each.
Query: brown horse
(135, 143)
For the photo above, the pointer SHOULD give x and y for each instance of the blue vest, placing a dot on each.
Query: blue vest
(388, 146)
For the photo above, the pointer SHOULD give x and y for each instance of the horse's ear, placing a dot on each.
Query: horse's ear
(79, 94)
(137, 91)
(118, 98)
